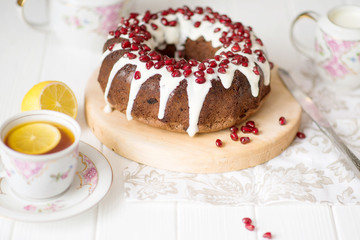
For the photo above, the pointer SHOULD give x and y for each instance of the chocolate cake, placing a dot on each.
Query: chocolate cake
(184, 70)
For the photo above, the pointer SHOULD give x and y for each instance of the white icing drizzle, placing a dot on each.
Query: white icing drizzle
(177, 35)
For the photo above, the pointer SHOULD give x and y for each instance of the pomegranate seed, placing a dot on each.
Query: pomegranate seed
(282, 121)
(154, 26)
(261, 59)
(217, 30)
(246, 220)
(200, 80)
(210, 71)
(246, 129)
(209, 9)
(199, 10)
(130, 55)
(111, 33)
(149, 64)
(159, 64)
(137, 75)
(164, 13)
(258, 40)
(235, 48)
(217, 57)
(234, 129)
(134, 46)
(123, 30)
(212, 64)
(250, 227)
(301, 135)
(138, 39)
(250, 124)
(172, 23)
(234, 136)
(197, 24)
(133, 15)
(187, 72)
(247, 50)
(244, 140)
(202, 67)
(255, 131)
(256, 70)
(117, 33)
(218, 143)
(145, 47)
(170, 61)
(193, 62)
(267, 235)
(164, 21)
(144, 58)
(222, 70)
(199, 73)
(176, 73)
(170, 68)
(126, 44)
(111, 47)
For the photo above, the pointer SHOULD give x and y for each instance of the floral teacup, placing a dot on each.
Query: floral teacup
(39, 176)
(83, 23)
(337, 46)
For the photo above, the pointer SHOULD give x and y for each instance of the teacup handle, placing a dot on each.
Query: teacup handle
(297, 44)
(44, 27)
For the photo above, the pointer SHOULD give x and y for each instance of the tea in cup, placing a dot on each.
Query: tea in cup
(39, 171)
(337, 46)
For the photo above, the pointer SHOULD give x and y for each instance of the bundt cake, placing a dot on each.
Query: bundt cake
(184, 70)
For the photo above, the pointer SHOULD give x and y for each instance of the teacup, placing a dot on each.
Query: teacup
(337, 45)
(82, 23)
(39, 176)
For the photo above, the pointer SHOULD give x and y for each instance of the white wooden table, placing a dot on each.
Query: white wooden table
(28, 57)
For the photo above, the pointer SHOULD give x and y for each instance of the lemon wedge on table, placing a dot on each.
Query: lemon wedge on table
(51, 95)
(34, 138)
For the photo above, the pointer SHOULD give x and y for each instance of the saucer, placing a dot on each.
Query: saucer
(92, 182)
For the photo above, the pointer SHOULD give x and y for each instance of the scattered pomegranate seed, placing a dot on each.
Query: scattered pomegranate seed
(250, 227)
(218, 143)
(234, 136)
(144, 58)
(170, 68)
(246, 129)
(235, 48)
(217, 30)
(154, 26)
(137, 75)
(222, 70)
(258, 40)
(197, 24)
(212, 64)
(164, 21)
(256, 70)
(246, 220)
(111, 33)
(199, 73)
(234, 129)
(301, 135)
(244, 140)
(149, 64)
(130, 55)
(117, 33)
(172, 23)
(202, 67)
(282, 120)
(176, 73)
(210, 71)
(255, 130)
(250, 124)
(267, 235)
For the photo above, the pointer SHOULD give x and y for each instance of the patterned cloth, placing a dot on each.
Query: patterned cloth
(310, 170)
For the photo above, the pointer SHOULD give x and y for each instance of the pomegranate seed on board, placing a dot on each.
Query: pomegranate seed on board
(234, 136)
(244, 140)
(234, 129)
(246, 129)
(218, 143)
(282, 120)
(250, 124)
(267, 235)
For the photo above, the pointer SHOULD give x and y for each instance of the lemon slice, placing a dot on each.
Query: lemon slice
(51, 95)
(34, 138)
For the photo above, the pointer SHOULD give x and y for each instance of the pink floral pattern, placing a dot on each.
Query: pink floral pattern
(110, 16)
(46, 207)
(29, 170)
(89, 174)
(335, 65)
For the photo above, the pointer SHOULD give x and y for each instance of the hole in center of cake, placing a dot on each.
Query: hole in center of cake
(198, 50)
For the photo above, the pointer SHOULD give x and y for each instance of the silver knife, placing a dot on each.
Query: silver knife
(311, 109)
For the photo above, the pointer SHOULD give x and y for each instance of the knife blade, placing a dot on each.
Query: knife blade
(314, 113)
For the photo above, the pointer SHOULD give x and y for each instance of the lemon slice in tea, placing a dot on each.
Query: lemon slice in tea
(51, 95)
(34, 138)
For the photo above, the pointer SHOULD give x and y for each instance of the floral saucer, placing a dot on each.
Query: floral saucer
(92, 182)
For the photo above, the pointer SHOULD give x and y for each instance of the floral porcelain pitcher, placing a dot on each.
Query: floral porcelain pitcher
(337, 45)
(84, 23)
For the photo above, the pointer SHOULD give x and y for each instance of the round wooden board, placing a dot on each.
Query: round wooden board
(199, 154)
